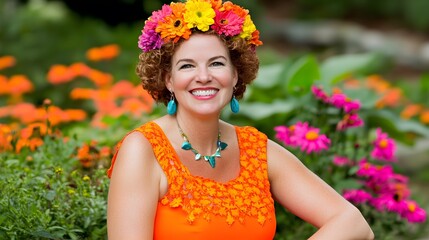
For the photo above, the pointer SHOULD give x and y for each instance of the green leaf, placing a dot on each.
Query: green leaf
(344, 184)
(337, 68)
(302, 75)
(50, 195)
(271, 75)
(257, 111)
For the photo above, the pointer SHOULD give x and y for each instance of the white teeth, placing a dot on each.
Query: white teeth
(204, 92)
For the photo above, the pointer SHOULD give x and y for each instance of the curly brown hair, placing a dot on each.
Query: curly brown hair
(153, 66)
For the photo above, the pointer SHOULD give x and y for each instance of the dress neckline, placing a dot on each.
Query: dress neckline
(204, 179)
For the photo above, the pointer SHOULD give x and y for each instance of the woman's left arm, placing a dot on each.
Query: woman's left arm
(307, 196)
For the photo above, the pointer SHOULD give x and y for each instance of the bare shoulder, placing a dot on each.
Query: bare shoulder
(134, 156)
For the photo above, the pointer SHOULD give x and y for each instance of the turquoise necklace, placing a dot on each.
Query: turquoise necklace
(211, 159)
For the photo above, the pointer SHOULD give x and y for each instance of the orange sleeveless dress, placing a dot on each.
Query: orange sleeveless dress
(200, 208)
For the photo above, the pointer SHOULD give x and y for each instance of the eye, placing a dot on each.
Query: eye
(185, 66)
(217, 64)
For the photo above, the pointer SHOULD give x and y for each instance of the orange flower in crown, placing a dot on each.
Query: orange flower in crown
(178, 20)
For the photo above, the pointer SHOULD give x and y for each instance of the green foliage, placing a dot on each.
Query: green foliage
(46, 196)
(407, 13)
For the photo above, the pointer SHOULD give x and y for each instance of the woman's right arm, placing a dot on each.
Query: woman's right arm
(134, 190)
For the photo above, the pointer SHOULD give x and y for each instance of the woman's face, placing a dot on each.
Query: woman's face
(202, 75)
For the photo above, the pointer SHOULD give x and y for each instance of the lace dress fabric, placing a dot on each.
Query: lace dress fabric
(200, 208)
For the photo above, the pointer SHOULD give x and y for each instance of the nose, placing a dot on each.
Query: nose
(204, 75)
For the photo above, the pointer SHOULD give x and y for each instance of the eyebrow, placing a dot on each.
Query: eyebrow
(211, 59)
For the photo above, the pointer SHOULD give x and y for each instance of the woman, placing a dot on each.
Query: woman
(190, 175)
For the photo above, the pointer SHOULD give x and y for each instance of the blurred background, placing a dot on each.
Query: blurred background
(42, 33)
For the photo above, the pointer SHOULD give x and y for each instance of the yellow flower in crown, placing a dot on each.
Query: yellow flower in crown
(200, 14)
(179, 20)
(248, 28)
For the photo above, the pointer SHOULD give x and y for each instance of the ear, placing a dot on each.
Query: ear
(235, 77)
(169, 82)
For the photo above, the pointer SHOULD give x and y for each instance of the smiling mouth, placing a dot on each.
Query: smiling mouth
(204, 93)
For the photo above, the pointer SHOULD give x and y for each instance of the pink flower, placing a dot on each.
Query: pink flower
(285, 134)
(342, 161)
(320, 94)
(412, 212)
(357, 196)
(386, 203)
(156, 17)
(228, 23)
(384, 147)
(310, 140)
(340, 100)
(366, 169)
(350, 120)
(149, 40)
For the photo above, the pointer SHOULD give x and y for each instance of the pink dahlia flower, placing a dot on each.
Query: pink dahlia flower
(350, 120)
(357, 196)
(309, 139)
(320, 94)
(412, 212)
(384, 147)
(340, 100)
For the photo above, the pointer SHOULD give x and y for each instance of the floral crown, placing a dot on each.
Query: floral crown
(178, 20)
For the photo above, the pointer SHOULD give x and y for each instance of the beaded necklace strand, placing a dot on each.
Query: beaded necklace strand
(211, 159)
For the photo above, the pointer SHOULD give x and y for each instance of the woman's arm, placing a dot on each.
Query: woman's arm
(307, 196)
(134, 190)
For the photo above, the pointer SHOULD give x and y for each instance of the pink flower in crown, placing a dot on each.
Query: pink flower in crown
(412, 212)
(156, 17)
(384, 147)
(309, 139)
(342, 161)
(357, 196)
(350, 120)
(150, 39)
(320, 94)
(227, 23)
(340, 100)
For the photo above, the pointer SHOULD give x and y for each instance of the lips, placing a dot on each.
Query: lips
(204, 92)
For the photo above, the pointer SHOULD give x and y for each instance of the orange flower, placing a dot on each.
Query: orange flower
(123, 88)
(75, 114)
(7, 61)
(241, 12)
(424, 116)
(391, 98)
(59, 74)
(411, 110)
(87, 154)
(103, 53)
(377, 83)
(99, 78)
(352, 84)
(19, 84)
(79, 69)
(4, 89)
(82, 93)
(25, 112)
(5, 138)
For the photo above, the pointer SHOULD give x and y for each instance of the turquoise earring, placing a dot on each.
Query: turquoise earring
(235, 106)
(172, 106)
